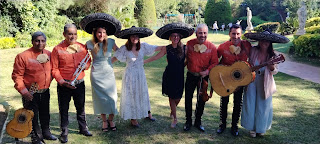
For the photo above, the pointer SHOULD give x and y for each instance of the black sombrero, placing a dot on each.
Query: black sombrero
(100, 20)
(184, 29)
(140, 31)
(267, 35)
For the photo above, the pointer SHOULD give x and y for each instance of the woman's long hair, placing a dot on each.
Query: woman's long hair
(270, 50)
(179, 46)
(129, 45)
(95, 41)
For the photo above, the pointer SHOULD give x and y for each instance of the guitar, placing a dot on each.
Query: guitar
(226, 79)
(21, 125)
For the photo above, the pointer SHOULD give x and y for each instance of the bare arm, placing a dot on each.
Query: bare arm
(113, 59)
(159, 55)
(159, 48)
(115, 47)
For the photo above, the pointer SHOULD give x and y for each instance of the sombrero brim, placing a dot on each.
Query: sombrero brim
(140, 31)
(272, 37)
(92, 21)
(184, 29)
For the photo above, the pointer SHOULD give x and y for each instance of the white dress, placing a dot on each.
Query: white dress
(134, 102)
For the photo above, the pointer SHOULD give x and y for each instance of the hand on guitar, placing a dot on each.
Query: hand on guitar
(204, 73)
(28, 96)
(68, 85)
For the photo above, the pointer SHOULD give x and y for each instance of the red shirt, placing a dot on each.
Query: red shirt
(27, 70)
(64, 64)
(228, 58)
(198, 62)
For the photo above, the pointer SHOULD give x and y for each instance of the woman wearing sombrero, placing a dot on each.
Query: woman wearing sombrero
(103, 83)
(134, 102)
(173, 76)
(257, 100)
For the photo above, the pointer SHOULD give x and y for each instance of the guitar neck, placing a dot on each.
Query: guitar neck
(254, 68)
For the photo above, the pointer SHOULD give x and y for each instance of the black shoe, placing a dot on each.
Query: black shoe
(49, 137)
(221, 129)
(199, 127)
(234, 131)
(63, 138)
(85, 133)
(187, 126)
(151, 119)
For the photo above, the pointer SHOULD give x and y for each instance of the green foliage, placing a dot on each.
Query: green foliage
(315, 21)
(286, 29)
(164, 7)
(313, 29)
(188, 6)
(147, 13)
(8, 27)
(217, 10)
(255, 20)
(7, 43)
(26, 11)
(273, 26)
(23, 39)
(307, 45)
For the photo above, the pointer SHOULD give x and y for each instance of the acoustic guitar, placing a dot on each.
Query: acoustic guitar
(226, 79)
(21, 125)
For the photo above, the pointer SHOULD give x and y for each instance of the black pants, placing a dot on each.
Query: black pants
(237, 103)
(40, 107)
(64, 97)
(190, 85)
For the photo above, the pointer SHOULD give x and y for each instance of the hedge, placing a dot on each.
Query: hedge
(313, 30)
(307, 45)
(315, 21)
(273, 26)
(7, 43)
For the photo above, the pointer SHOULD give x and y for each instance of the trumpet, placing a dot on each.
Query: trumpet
(80, 68)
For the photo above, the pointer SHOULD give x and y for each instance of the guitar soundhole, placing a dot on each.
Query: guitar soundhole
(237, 75)
(228, 90)
(22, 118)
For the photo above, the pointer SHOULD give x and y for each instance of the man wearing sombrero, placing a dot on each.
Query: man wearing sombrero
(201, 58)
(231, 51)
(65, 59)
(257, 111)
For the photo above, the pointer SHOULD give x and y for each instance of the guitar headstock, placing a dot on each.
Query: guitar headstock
(34, 88)
(276, 59)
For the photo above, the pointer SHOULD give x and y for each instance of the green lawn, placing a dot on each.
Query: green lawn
(296, 109)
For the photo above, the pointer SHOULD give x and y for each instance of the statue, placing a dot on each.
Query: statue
(302, 15)
(249, 17)
(238, 22)
(288, 16)
(215, 26)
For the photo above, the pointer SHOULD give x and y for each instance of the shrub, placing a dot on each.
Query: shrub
(8, 28)
(147, 13)
(273, 26)
(315, 21)
(23, 39)
(307, 45)
(255, 21)
(286, 29)
(217, 10)
(7, 43)
(313, 30)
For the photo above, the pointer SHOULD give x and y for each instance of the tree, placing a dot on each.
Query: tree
(146, 13)
(164, 7)
(188, 6)
(217, 10)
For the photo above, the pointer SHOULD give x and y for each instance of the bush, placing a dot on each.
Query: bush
(315, 21)
(286, 29)
(313, 30)
(147, 13)
(273, 26)
(83, 34)
(217, 10)
(23, 39)
(8, 28)
(255, 21)
(7, 43)
(307, 45)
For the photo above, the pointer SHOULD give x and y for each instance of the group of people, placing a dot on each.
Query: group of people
(40, 66)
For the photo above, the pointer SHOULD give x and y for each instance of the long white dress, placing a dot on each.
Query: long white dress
(134, 102)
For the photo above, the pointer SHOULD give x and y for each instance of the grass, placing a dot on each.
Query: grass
(296, 109)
